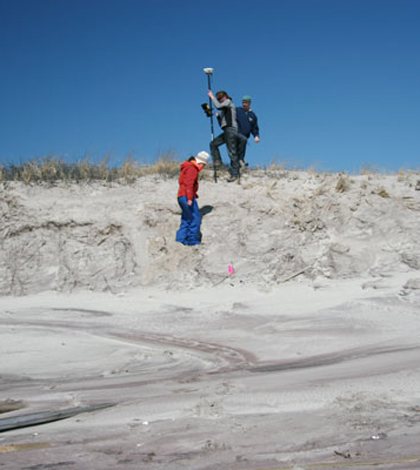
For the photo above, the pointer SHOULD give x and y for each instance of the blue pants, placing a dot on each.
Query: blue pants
(189, 231)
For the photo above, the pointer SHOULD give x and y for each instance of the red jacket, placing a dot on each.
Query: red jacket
(188, 180)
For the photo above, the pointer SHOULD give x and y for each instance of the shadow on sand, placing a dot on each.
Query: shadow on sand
(205, 210)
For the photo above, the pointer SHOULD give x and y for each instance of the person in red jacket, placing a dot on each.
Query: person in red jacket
(189, 231)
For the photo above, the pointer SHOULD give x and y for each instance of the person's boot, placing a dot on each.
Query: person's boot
(232, 178)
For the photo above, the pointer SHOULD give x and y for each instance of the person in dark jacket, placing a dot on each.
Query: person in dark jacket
(189, 231)
(229, 125)
(247, 125)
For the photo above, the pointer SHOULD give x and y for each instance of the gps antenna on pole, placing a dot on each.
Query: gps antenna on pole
(209, 72)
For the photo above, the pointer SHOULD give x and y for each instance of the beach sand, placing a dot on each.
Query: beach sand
(306, 357)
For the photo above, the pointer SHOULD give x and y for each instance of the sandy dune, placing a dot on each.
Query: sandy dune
(307, 357)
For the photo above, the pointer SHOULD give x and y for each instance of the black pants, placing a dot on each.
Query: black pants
(228, 137)
(241, 149)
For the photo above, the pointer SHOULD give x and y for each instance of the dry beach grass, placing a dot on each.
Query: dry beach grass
(51, 170)
(306, 357)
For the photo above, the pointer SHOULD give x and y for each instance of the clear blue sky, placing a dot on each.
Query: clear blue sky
(335, 83)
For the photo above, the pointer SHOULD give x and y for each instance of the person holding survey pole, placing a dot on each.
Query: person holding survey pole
(227, 120)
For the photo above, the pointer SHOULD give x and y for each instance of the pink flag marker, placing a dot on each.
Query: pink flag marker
(231, 270)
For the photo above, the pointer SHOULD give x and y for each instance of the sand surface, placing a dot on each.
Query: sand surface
(307, 357)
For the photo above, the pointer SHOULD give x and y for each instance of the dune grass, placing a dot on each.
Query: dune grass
(52, 169)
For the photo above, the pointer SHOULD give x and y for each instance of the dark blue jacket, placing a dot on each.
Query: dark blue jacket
(247, 123)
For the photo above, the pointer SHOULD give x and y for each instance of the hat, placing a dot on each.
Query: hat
(202, 157)
(246, 98)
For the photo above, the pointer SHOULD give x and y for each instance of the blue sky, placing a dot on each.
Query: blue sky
(335, 83)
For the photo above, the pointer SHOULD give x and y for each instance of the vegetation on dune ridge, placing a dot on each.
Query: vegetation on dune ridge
(53, 169)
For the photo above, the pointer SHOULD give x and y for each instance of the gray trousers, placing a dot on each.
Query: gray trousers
(228, 137)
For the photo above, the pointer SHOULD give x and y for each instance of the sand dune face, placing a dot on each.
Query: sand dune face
(108, 238)
(157, 357)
